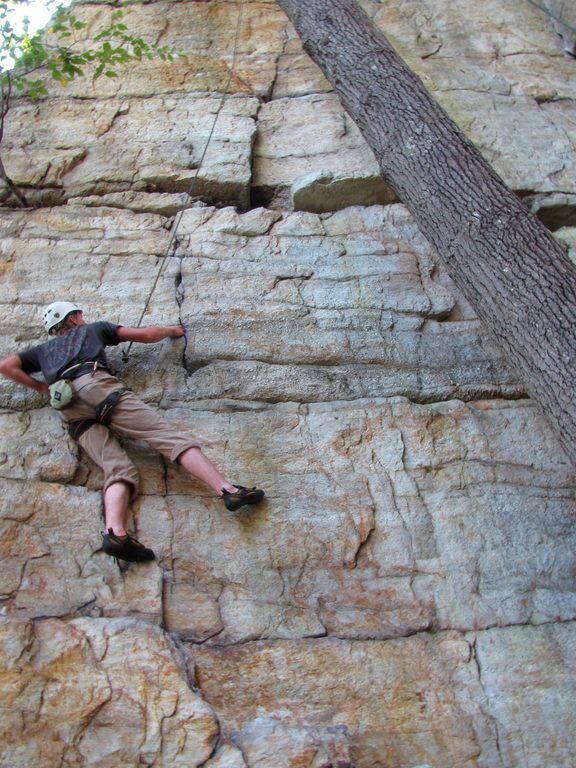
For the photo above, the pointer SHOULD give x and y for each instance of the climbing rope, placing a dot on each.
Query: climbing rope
(552, 15)
(188, 196)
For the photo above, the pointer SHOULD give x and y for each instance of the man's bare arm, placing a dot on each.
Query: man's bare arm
(151, 333)
(11, 368)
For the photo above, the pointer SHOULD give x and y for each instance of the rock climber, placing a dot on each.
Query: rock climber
(97, 408)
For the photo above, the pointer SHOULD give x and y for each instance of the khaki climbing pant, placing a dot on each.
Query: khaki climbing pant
(130, 418)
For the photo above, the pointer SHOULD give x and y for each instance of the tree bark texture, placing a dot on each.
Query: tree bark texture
(515, 275)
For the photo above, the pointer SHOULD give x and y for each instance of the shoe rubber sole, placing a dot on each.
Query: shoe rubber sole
(126, 548)
(243, 497)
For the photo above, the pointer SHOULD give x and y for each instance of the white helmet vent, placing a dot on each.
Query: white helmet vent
(56, 312)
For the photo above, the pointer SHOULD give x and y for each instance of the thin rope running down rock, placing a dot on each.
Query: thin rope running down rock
(178, 218)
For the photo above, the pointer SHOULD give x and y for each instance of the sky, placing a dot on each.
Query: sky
(36, 11)
(39, 15)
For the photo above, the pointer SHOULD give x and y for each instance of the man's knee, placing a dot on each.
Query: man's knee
(190, 450)
(130, 479)
(104, 449)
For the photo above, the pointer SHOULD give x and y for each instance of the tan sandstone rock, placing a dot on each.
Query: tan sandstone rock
(104, 693)
(404, 596)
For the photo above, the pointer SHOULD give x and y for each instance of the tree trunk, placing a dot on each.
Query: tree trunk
(506, 263)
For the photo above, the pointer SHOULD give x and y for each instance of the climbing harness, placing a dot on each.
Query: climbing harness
(126, 353)
(61, 393)
(103, 415)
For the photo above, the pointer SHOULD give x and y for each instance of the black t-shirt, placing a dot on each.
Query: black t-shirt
(85, 343)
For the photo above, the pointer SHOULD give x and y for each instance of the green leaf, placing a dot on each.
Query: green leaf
(111, 47)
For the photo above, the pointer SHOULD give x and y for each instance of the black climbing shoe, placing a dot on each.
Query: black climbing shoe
(125, 548)
(241, 496)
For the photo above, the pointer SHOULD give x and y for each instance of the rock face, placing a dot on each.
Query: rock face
(405, 595)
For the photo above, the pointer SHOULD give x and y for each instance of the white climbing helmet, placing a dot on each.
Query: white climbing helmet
(56, 312)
